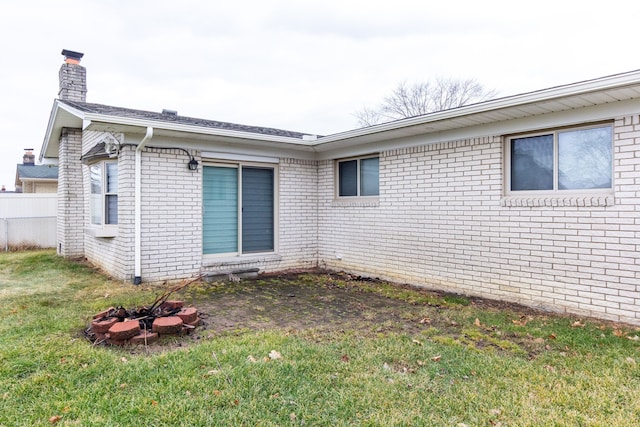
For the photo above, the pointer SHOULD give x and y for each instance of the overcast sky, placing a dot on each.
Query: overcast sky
(298, 65)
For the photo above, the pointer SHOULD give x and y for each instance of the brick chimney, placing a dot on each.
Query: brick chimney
(73, 77)
(29, 159)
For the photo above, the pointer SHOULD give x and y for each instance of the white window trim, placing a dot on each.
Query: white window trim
(336, 171)
(276, 210)
(555, 192)
(102, 229)
(206, 155)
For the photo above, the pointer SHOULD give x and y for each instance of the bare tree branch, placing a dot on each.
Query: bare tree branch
(423, 98)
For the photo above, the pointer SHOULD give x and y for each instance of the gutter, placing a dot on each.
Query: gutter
(138, 207)
(96, 118)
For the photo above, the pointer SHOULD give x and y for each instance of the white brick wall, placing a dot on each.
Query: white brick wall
(171, 209)
(298, 214)
(442, 222)
(70, 195)
(171, 216)
(113, 254)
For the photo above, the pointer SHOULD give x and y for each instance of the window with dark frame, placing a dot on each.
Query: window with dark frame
(359, 177)
(562, 160)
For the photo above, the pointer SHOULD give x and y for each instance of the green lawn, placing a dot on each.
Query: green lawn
(467, 367)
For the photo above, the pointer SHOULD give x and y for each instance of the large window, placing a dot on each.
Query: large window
(358, 177)
(104, 193)
(569, 159)
(239, 209)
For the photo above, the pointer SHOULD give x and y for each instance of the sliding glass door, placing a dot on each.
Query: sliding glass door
(238, 209)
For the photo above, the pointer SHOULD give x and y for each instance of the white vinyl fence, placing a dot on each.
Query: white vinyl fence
(28, 220)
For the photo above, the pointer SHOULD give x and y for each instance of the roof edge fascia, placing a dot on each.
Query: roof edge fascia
(57, 105)
(39, 179)
(49, 130)
(91, 118)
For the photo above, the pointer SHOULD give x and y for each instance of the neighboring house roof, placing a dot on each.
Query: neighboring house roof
(26, 173)
(37, 172)
(497, 116)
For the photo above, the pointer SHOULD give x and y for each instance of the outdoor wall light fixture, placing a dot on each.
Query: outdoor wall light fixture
(193, 164)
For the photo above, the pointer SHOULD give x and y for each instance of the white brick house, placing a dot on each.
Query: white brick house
(533, 198)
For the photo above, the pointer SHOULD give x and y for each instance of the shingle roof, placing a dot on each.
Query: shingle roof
(37, 172)
(174, 118)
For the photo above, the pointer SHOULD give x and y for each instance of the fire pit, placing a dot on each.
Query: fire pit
(144, 325)
(119, 326)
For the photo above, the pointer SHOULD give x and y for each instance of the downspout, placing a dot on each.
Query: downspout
(138, 207)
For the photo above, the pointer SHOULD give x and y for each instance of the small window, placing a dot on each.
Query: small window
(104, 193)
(572, 159)
(358, 177)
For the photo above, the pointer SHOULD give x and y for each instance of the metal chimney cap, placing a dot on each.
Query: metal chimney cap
(72, 55)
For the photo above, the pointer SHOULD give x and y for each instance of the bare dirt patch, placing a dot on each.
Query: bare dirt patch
(295, 304)
(334, 302)
(324, 306)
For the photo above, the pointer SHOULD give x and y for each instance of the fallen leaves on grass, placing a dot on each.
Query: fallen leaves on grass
(477, 322)
(344, 358)
(274, 355)
(577, 324)
(55, 419)
(522, 321)
(415, 341)
(436, 358)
